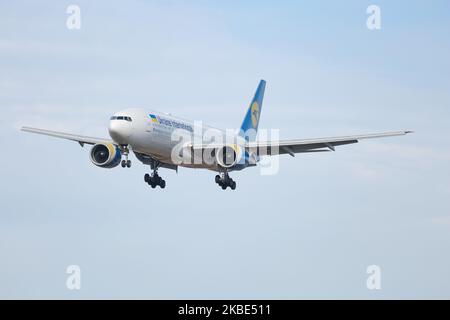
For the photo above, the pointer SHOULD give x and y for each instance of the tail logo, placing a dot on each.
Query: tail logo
(255, 114)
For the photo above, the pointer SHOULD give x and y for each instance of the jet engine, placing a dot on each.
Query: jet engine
(228, 156)
(105, 155)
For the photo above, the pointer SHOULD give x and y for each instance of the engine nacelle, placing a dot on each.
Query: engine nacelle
(105, 155)
(228, 156)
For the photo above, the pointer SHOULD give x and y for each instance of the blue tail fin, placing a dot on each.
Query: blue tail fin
(249, 126)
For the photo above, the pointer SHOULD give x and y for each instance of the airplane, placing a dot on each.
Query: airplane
(149, 135)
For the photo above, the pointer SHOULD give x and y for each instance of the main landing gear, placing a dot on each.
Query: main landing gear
(125, 152)
(155, 180)
(225, 181)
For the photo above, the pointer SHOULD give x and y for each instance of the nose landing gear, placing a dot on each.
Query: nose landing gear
(225, 181)
(126, 163)
(125, 152)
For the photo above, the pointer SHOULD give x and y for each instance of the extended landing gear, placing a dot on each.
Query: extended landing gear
(225, 181)
(155, 180)
(126, 163)
(125, 152)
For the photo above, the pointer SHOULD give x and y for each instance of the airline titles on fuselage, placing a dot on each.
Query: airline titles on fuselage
(171, 123)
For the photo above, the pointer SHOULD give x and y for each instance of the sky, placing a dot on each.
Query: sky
(309, 231)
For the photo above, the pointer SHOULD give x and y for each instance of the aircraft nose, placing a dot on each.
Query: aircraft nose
(120, 130)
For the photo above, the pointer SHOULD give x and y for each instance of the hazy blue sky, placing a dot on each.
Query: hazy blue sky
(309, 231)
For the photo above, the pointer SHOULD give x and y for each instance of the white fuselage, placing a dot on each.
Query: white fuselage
(157, 134)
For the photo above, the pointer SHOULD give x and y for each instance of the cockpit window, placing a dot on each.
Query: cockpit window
(121, 118)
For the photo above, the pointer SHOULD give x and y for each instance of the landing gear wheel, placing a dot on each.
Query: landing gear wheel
(154, 180)
(225, 181)
(128, 163)
(123, 163)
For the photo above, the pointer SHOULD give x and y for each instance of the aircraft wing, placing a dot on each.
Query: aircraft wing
(63, 135)
(292, 147)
